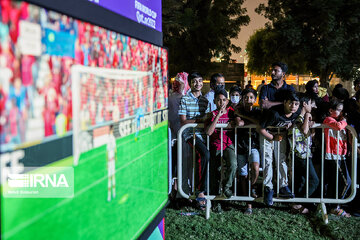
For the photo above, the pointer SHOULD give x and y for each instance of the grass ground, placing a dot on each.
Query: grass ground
(141, 174)
(265, 223)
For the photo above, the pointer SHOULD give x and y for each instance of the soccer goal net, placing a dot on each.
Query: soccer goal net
(102, 97)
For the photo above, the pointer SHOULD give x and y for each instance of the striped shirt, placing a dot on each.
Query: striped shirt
(193, 108)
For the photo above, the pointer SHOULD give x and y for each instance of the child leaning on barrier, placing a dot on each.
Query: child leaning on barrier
(280, 116)
(335, 154)
(300, 138)
(250, 115)
(222, 114)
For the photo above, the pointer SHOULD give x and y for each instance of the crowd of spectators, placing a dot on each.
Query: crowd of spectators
(284, 120)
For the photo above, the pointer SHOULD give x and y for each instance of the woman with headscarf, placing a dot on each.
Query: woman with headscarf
(179, 88)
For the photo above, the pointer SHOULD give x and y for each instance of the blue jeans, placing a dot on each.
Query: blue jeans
(244, 159)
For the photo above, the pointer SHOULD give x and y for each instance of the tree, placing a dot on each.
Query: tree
(265, 47)
(195, 31)
(324, 33)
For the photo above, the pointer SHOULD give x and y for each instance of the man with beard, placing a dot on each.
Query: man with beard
(272, 94)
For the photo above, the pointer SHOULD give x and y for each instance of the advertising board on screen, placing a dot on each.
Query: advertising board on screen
(146, 12)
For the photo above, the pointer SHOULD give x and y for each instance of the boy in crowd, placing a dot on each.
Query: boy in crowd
(217, 81)
(248, 154)
(279, 116)
(300, 139)
(223, 114)
(193, 108)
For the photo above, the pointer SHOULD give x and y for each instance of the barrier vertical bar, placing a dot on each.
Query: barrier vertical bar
(221, 159)
(293, 159)
(194, 166)
(263, 160)
(208, 166)
(337, 164)
(235, 180)
(248, 162)
(170, 161)
(307, 166)
(278, 165)
(322, 162)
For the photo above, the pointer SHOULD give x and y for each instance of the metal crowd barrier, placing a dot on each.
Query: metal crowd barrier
(321, 200)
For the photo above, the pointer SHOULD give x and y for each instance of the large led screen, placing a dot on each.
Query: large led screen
(76, 95)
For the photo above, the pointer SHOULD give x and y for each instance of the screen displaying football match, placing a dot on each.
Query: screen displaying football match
(76, 96)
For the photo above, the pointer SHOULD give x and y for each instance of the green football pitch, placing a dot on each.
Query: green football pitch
(141, 192)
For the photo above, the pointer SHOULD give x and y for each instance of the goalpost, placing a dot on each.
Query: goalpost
(101, 97)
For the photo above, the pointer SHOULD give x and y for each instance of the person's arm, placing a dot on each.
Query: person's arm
(184, 121)
(269, 136)
(239, 122)
(305, 127)
(253, 120)
(266, 104)
(211, 128)
(336, 125)
(265, 133)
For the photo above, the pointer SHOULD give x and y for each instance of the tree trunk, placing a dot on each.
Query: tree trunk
(324, 79)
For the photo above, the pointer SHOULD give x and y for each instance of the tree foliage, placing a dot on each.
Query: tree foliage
(323, 34)
(195, 31)
(265, 47)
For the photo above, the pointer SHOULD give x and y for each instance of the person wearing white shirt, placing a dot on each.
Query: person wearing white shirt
(217, 81)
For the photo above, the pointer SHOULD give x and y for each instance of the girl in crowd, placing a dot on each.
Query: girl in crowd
(335, 155)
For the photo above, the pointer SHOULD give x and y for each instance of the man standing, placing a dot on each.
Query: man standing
(271, 94)
(258, 89)
(193, 108)
(217, 81)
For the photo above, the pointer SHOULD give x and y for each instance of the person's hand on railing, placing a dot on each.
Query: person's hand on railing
(277, 137)
(288, 126)
(238, 122)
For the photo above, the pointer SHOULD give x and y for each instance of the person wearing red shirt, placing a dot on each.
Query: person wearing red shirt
(223, 143)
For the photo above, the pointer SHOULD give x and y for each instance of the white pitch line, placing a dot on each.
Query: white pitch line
(36, 218)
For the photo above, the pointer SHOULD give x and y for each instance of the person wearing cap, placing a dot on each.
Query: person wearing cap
(235, 96)
(222, 145)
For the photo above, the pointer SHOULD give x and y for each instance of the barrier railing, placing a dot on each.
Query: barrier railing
(321, 200)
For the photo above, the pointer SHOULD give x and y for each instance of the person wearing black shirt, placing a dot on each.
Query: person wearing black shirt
(273, 94)
(271, 141)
